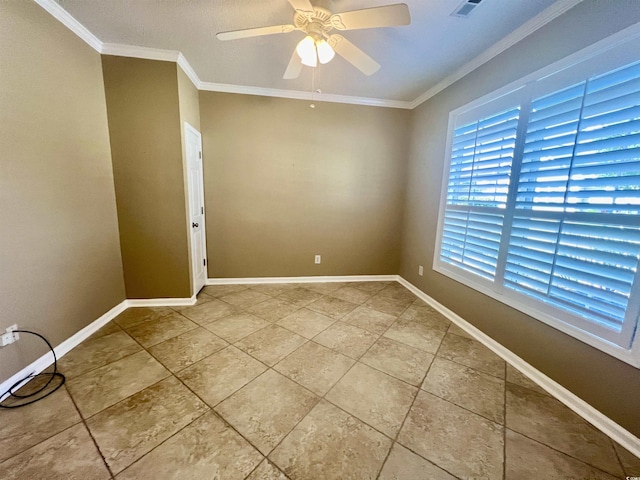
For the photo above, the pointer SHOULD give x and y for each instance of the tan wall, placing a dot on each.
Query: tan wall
(284, 182)
(608, 384)
(189, 102)
(60, 266)
(144, 126)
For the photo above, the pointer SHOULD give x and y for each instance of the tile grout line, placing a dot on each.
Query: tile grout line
(109, 363)
(212, 408)
(122, 399)
(129, 396)
(85, 421)
(257, 466)
(276, 324)
(244, 310)
(312, 338)
(473, 368)
(209, 407)
(435, 355)
(552, 447)
(43, 440)
(86, 426)
(224, 420)
(615, 450)
(265, 457)
(413, 401)
(320, 397)
(209, 410)
(122, 330)
(565, 454)
(398, 341)
(393, 440)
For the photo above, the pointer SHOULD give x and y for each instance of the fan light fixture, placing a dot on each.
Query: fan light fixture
(325, 52)
(311, 51)
(306, 50)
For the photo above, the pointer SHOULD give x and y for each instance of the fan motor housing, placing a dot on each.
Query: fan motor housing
(314, 23)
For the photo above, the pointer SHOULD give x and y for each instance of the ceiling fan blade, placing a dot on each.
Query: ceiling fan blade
(353, 55)
(255, 32)
(387, 16)
(304, 5)
(294, 68)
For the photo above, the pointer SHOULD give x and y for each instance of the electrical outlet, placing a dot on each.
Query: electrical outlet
(318, 259)
(420, 270)
(9, 336)
(6, 339)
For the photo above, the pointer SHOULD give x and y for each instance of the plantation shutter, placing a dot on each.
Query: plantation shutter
(479, 177)
(541, 206)
(575, 240)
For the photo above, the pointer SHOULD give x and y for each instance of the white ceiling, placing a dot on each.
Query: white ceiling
(414, 58)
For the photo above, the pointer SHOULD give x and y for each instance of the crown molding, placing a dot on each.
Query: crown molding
(71, 23)
(300, 95)
(497, 48)
(549, 14)
(189, 71)
(134, 51)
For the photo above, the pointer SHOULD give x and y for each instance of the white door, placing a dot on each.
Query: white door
(195, 185)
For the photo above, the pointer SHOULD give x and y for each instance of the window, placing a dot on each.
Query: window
(541, 199)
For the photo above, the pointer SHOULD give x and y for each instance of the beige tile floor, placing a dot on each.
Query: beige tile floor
(306, 381)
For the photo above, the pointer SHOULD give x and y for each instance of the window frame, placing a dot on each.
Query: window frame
(593, 60)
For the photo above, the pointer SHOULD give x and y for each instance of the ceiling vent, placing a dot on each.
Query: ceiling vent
(466, 8)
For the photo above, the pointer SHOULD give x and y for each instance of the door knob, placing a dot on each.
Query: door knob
(194, 225)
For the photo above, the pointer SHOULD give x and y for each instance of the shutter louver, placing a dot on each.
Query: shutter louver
(481, 159)
(605, 176)
(471, 241)
(582, 267)
(594, 270)
(532, 248)
(546, 161)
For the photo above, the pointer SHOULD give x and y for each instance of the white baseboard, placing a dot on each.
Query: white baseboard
(327, 279)
(575, 403)
(74, 340)
(161, 302)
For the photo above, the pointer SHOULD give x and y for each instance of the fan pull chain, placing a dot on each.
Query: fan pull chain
(313, 86)
(315, 73)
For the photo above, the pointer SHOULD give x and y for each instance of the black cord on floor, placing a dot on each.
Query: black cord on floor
(28, 378)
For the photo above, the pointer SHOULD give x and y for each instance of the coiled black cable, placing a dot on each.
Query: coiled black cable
(28, 378)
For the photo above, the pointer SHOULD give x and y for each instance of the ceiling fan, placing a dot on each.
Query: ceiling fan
(318, 44)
